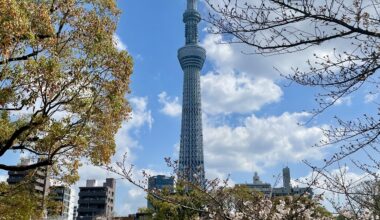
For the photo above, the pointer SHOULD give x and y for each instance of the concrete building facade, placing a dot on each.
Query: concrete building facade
(96, 202)
(36, 177)
(61, 195)
(37, 180)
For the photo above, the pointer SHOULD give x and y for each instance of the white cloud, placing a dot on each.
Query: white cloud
(239, 57)
(119, 43)
(230, 58)
(140, 116)
(236, 93)
(342, 101)
(134, 198)
(3, 178)
(243, 84)
(171, 106)
(222, 55)
(213, 174)
(127, 136)
(176, 148)
(126, 139)
(136, 192)
(370, 97)
(239, 83)
(258, 143)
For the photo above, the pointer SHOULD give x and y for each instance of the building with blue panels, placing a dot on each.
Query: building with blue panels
(160, 182)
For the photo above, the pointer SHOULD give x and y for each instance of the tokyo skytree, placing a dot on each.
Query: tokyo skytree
(191, 58)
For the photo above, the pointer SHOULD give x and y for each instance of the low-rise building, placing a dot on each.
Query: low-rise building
(258, 185)
(37, 179)
(96, 202)
(61, 195)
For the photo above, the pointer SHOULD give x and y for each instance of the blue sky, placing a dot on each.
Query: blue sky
(251, 115)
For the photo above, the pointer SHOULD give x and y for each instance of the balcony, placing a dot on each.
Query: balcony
(38, 188)
(92, 193)
(40, 181)
(94, 211)
(92, 201)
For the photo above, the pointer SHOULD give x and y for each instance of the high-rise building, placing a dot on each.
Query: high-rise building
(61, 195)
(96, 202)
(286, 179)
(160, 182)
(191, 58)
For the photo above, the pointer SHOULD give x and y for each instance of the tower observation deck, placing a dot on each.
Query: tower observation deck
(191, 58)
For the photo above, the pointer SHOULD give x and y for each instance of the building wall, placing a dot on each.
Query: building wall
(73, 200)
(35, 178)
(96, 201)
(61, 194)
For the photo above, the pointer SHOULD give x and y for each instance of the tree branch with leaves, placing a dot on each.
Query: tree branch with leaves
(62, 82)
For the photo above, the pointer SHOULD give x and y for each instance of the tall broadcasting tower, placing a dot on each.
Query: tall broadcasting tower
(191, 57)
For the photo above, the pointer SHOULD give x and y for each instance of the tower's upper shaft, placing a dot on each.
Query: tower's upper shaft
(191, 17)
(191, 55)
(191, 4)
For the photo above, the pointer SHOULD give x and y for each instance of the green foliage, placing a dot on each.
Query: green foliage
(178, 205)
(62, 82)
(144, 210)
(341, 217)
(220, 202)
(18, 203)
(53, 207)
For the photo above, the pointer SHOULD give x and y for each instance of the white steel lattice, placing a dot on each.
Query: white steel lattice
(191, 57)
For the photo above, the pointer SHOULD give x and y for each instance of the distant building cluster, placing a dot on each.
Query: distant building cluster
(38, 181)
(97, 202)
(286, 190)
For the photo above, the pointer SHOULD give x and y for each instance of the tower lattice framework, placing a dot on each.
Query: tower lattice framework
(191, 58)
